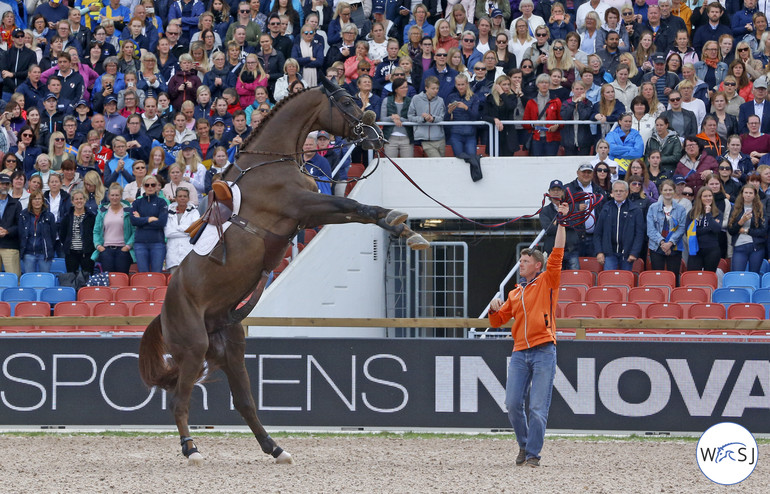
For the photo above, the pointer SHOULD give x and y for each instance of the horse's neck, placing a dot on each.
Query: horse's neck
(285, 131)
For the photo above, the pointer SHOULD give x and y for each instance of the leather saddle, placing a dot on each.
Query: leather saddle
(218, 212)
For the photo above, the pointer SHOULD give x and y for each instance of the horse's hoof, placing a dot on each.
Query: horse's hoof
(416, 242)
(195, 460)
(396, 217)
(285, 458)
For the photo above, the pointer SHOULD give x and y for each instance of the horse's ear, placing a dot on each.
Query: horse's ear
(330, 86)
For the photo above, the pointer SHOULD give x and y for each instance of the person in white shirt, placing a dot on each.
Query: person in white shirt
(533, 21)
(597, 6)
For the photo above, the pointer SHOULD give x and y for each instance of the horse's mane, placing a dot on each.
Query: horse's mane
(262, 124)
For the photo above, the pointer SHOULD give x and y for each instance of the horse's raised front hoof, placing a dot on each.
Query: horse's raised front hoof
(284, 458)
(195, 460)
(395, 217)
(416, 242)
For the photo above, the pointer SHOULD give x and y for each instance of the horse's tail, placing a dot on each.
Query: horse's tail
(153, 367)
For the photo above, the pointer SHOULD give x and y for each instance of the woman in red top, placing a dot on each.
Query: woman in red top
(545, 139)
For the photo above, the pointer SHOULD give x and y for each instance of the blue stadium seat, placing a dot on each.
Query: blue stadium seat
(733, 295)
(766, 280)
(743, 279)
(18, 294)
(762, 296)
(56, 294)
(38, 281)
(58, 266)
(8, 280)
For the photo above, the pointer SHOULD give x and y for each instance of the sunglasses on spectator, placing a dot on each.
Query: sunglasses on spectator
(527, 66)
(726, 168)
(273, 23)
(59, 139)
(685, 193)
(501, 42)
(364, 69)
(674, 99)
(469, 40)
(743, 49)
(479, 68)
(542, 35)
(730, 84)
(308, 32)
(151, 185)
(26, 134)
(244, 11)
(440, 55)
(636, 184)
(602, 170)
(558, 48)
(173, 32)
(628, 13)
(263, 110)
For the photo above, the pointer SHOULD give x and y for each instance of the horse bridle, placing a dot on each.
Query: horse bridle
(357, 125)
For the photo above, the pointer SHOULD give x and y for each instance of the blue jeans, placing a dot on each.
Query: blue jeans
(463, 144)
(36, 263)
(571, 259)
(543, 148)
(114, 259)
(746, 257)
(150, 257)
(617, 261)
(530, 373)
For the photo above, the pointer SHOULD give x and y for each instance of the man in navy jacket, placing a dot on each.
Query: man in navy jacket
(619, 232)
(758, 106)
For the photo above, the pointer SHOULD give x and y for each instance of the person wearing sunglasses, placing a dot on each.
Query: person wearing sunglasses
(696, 164)
(681, 120)
(443, 73)
(191, 9)
(538, 52)
(149, 215)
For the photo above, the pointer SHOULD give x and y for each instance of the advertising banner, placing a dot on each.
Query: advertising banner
(399, 383)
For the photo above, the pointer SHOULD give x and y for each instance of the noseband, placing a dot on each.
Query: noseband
(356, 124)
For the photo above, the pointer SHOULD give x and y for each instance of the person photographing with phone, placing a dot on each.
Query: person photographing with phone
(532, 367)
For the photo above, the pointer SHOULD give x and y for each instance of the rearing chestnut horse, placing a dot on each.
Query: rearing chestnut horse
(199, 321)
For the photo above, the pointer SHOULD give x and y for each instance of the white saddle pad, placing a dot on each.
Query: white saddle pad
(209, 238)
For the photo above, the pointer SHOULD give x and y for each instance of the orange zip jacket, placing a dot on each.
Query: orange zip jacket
(532, 307)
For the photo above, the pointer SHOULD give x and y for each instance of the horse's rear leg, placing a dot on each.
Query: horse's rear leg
(189, 354)
(233, 365)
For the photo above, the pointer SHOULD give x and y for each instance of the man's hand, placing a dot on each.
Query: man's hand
(600, 258)
(631, 259)
(495, 304)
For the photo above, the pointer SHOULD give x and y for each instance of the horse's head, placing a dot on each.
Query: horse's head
(359, 125)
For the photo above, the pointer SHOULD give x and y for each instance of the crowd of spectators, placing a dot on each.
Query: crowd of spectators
(141, 103)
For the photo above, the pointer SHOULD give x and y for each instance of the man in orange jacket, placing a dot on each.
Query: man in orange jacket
(533, 364)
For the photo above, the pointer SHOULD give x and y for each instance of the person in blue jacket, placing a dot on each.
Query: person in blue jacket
(37, 235)
(189, 12)
(619, 230)
(149, 214)
(463, 106)
(625, 143)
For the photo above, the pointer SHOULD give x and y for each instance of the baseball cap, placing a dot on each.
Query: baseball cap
(378, 9)
(218, 120)
(5, 178)
(110, 99)
(81, 102)
(658, 58)
(761, 82)
(679, 179)
(17, 33)
(188, 145)
(556, 183)
(49, 96)
(323, 133)
(496, 13)
(585, 167)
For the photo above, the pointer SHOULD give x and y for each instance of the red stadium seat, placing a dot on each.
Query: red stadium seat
(577, 277)
(738, 311)
(664, 311)
(5, 309)
(309, 234)
(605, 294)
(118, 279)
(590, 264)
(570, 294)
(147, 309)
(159, 294)
(623, 310)
(95, 294)
(150, 280)
(706, 311)
(114, 309)
(356, 170)
(132, 294)
(588, 310)
(616, 278)
(32, 309)
(689, 295)
(699, 278)
(658, 278)
(724, 265)
(71, 309)
(647, 294)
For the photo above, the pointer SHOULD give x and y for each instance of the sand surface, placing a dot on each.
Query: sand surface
(150, 464)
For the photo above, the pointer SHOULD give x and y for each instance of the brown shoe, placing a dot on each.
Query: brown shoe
(533, 462)
(521, 458)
